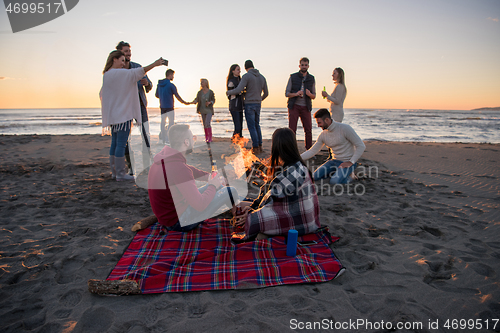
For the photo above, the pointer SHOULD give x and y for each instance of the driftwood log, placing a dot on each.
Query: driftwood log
(116, 287)
(144, 223)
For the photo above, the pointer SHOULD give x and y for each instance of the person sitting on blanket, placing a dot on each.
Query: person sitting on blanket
(289, 200)
(175, 199)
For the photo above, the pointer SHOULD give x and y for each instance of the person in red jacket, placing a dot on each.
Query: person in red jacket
(175, 199)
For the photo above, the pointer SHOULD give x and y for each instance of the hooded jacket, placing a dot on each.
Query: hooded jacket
(172, 188)
(165, 91)
(255, 83)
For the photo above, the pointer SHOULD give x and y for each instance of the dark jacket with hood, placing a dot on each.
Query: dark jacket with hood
(165, 91)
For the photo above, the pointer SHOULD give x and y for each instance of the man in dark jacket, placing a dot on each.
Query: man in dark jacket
(301, 90)
(143, 86)
(255, 83)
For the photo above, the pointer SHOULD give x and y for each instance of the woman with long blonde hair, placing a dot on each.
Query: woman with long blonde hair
(338, 95)
(205, 100)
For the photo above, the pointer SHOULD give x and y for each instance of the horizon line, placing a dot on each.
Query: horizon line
(285, 108)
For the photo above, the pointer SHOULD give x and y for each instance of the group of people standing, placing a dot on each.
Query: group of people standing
(345, 145)
(123, 98)
(288, 200)
(247, 93)
(245, 96)
(301, 90)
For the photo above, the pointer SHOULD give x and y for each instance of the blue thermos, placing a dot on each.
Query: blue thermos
(291, 243)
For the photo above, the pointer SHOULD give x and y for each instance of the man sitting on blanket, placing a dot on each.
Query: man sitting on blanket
(176, 201)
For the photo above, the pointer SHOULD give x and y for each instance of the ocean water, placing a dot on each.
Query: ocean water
(370, 124)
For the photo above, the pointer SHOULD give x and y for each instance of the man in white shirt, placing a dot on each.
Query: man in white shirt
(346, 147)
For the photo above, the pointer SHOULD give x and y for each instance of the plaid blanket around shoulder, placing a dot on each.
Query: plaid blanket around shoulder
(289, 201)
(205, 259)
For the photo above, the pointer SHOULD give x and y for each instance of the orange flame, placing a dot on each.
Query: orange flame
(244, 158)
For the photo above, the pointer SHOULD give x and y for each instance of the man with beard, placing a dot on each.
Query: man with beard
(345, 145)
(176, 201)
(144, 85)
(301, 90)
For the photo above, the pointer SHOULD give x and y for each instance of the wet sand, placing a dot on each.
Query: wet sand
(419, 236)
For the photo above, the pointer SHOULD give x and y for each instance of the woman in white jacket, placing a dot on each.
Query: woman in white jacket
(119, 105)
(338, 95)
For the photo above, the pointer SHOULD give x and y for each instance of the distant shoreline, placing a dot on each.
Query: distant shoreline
(496, 108)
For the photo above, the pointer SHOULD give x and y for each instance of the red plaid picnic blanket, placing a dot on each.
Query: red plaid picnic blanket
(205, 259)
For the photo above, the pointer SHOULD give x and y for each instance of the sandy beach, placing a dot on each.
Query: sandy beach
(419, 236)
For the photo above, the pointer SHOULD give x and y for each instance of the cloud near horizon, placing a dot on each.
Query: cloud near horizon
(493, 19)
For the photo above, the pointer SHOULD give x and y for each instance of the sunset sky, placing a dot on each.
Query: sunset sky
(396, 54)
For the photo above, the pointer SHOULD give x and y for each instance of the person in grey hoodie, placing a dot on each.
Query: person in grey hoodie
(255, 83)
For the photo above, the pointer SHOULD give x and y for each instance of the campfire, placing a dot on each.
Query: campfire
(245, 162)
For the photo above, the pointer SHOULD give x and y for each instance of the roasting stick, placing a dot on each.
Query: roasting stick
(214, 169)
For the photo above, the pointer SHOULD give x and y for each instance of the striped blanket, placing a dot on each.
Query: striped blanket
(206, 259)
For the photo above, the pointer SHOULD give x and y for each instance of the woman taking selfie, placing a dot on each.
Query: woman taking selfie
(119, 105)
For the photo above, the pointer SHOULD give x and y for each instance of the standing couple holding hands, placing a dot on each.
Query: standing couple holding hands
(245, 94)
(205, 100)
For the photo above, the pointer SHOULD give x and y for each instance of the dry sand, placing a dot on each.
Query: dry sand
(422, 243)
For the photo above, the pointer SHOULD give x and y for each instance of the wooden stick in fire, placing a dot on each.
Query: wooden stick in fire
(214, 169)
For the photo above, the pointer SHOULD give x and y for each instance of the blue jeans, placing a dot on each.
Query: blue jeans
(330, 169)
(238, 122)
(252, 114)
(119, 140)
(170, 113)
(190, 215)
